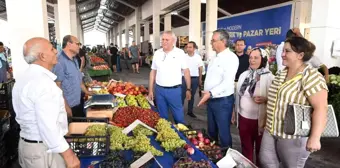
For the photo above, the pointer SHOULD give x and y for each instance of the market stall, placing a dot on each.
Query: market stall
(134, 134)
(99, 66)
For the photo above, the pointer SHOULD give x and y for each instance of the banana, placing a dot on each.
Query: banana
(182, 127)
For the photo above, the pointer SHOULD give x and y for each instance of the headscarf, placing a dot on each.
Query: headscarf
(254, 75)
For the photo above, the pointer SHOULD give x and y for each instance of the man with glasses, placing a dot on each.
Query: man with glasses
(69, 77)
(166, 70)
(219, 88)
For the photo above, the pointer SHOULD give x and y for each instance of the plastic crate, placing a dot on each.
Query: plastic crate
(6, 95)
(89, 146)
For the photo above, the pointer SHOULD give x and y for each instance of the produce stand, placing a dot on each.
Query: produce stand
(95, 73)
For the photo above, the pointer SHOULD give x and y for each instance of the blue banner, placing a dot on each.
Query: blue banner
(258, 28)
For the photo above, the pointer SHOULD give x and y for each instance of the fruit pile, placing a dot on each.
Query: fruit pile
(95, 59)
(189, 163)
(168, 137)
(137, 143)
(101, 91)
(143, 102)
(334, 79)
(127, 115)
(95, 130)
(141, 130)
(96, 83)
(121, 102)
(131, 100)
(180, 153)
(101, 67)
(126, 88)
(204, 144)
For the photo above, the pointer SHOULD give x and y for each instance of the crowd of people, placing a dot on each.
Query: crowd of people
(237, 87)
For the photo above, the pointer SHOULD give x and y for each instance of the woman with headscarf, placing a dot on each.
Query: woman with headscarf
(250, 102)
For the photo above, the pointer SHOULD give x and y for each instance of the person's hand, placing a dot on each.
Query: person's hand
(260, 99)
(188, 95)
(90, 93)
(71, 159)
(260, 131)
(68, 110)
(313, 144)
(151, 97)
(205, 97)
(200, 84)
(233, 118)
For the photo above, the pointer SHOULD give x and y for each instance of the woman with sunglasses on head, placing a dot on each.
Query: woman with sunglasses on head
(250, 104)
(297, 83)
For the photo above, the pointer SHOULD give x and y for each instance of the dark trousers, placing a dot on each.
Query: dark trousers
(78, 111)
(194, 86)
(249, 137)
(169, 98)
(219, 118)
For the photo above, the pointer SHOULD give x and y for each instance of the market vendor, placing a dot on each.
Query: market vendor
(219, 88)
(166, 70)
(40, 111)
(69, 77)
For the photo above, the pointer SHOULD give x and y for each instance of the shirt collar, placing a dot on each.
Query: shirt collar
(64, 55)
(44, 70)
(224, 51)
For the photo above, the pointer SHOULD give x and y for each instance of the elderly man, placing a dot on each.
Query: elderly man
(40, 111)
(219, 88)
(166, 69)
(69, 77)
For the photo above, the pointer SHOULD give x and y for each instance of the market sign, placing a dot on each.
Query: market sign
(258, 28)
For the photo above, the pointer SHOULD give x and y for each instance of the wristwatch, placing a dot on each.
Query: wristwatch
(188, 89)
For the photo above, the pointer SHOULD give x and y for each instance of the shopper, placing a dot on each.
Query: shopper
(195, 65)
(69, 78)
(219, 88)
(300, 84)
(114, 55)
(3, 64)
(134, 56)
(251, 101)
(40, 111)
(166, 73)
(242, 57)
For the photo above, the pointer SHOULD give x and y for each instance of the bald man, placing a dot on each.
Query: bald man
(40, 110)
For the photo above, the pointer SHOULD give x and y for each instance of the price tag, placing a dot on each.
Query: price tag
(134, 125)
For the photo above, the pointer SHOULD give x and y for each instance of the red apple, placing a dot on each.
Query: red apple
(201, 139)
(200, 135)
(186, 146)
(191, 150)
(206, 141)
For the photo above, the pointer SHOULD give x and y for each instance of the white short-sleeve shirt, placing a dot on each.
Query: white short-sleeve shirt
(169, 67)
(194, 62)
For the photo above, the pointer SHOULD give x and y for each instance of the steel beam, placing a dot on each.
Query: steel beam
(106, 22)
(114, 12)
(126, 4)
(104, 26)
(87, 26)
(224, 12)
(184, 18)
(85, 2)
(89, 18)
(92, 10)
(110, 18)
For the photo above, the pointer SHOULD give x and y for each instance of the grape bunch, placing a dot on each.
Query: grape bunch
(143, 102)
(95, 130)
(114, 159)
(179, 153)
(117, 138)
(121, 102)
(168, 137)
(131, 100)
(189, 163)
(144, 145)
(142, 130)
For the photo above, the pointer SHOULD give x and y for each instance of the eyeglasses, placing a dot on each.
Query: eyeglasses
(213, 41)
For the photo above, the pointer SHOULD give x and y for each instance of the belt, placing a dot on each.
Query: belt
(170, 87)
(194, 77)
(31, 141)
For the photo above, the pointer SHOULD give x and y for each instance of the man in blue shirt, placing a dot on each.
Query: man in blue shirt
(69, 77)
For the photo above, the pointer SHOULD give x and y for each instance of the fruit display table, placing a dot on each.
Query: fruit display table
(94, 73)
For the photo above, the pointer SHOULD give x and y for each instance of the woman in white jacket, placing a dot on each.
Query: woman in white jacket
(250, 102)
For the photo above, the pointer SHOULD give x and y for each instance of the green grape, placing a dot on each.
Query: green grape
(167, 133)
(96, 130)
(172, 144)
(142, 130)
(162, 124)
(117, 138)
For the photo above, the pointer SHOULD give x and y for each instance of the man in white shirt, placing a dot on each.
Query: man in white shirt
(195, 65)
(40, 110)
(166, 69)
(219, 88)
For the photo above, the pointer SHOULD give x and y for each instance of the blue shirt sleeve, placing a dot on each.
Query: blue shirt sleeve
(58, 70)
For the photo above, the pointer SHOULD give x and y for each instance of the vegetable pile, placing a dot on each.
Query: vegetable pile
(127, 115)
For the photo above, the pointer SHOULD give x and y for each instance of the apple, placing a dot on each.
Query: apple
(201, 144)
(206, 141)
(186, 146)
(219, 156)
(191, 150)
(200, 135)
(194, 141)
(200, 139)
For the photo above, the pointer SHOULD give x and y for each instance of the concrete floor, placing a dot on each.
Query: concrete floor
(328, 157)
